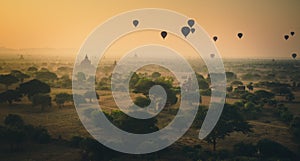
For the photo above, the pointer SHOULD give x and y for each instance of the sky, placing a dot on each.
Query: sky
(67, 23)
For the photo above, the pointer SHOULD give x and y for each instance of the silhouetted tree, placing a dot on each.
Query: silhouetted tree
(236, 83)
(133, 125)
(230, 121)
(142, 101)
(250, 86)
(78, 99)
(61, 98)
(8, 80)
(41, 100)
(18, 74)
(81, 77)
(13, 120)
(10, 96)
(32, 69)
(46, 76)
(34, 87)
(269, 148)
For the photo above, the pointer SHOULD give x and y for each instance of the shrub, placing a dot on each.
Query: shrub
(244, 149)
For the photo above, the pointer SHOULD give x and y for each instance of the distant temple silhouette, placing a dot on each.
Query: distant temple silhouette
(85, 66)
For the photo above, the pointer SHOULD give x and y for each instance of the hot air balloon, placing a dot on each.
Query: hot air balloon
(212, 55)
(185, 31)
(135, 23)
(286, 37)
(191, 22)
(294, 55)
(193, 30)
(240, 35)
(292, 33)
(163, 34)
(215, 38)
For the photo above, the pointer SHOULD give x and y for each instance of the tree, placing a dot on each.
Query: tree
(78, 99)
(229, 89)
(230, 75)
(13, 120)
(32, 69)
(230, 121)
(133, 80)
(142, 101)
(13, 136)
(13, 132)
(244, 149)
(61, 98)
(295, 128)
(155, 75)
(203, 84)
(44, 69)
(250, 86)
(281, 90)
(18, 74)
(10, 96)
(90, 95)
(250, 76)
(290, 97)
(133, 125)
(8, 80)
(263, 95)
(46, 76)
(91, 79)
(34, 87)
(236, 83)
(269, 148)
(81, 77)
(144, 84)
(42, 100)
(65, 82)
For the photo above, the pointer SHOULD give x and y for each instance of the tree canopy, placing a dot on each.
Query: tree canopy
(8, 80)
(33, 87)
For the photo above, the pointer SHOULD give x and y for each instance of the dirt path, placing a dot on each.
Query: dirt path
(266, 124)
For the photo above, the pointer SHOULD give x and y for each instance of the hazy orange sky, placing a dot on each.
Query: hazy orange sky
(66, 23)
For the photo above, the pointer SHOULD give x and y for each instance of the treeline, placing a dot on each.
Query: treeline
(15, 133)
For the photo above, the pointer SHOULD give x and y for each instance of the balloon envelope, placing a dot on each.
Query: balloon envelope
(292, 33)
(286, 37)
(163, 34)
(193, 30)
(191, 22)
(135, 23)
(215, 38)
(185, 30)
(240, 35)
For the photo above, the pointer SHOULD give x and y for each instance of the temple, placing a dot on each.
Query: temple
(85, 66)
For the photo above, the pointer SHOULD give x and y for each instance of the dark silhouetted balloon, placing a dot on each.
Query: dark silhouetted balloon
(215, 38)
(294, 55)
(191, 22)
(163, 34)
(193, 30)
(212, 55)
(240, 35)
(286, 37)
(292, 33)
(185, 30)
(135, 23)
